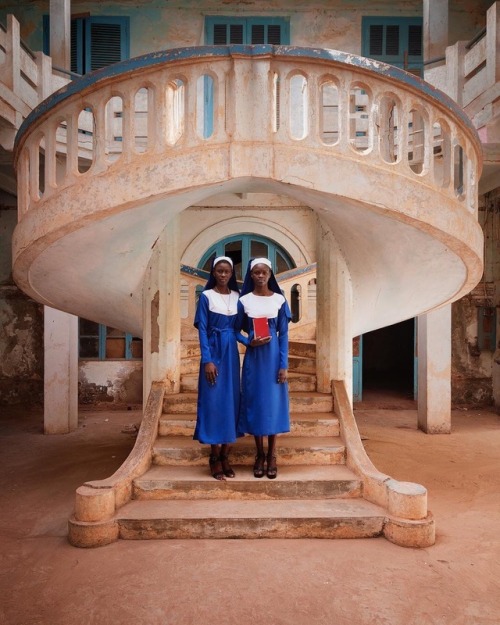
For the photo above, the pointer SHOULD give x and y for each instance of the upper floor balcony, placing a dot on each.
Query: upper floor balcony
(388, 163)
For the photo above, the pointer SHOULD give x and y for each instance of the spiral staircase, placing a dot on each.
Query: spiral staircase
(389, 165)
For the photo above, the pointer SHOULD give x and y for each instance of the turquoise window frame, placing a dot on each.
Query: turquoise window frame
(414, 62)
(82, 43)
(102, 335)
(246, 239)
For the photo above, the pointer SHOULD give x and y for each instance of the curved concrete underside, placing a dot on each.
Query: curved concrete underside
(399, 267)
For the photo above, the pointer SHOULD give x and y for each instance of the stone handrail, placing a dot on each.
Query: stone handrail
(471, 73)
(27, 78)
(292, 98)
(97, 501)
(408, 521)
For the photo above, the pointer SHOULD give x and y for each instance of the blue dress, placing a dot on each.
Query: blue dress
(218, 405)
(264, 402)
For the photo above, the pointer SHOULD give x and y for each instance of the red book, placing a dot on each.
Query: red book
(261, 327)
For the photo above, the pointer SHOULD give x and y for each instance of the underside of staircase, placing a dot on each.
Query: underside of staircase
(164, 489)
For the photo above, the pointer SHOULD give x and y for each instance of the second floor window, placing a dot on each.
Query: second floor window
(223, 31)
(394, 40)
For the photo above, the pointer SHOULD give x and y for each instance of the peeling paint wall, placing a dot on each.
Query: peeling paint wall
(21, 325)
(111, 382)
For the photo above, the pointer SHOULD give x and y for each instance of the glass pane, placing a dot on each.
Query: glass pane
(258, 249)
(88, 328)
(234, 251)
(136, 347)
(115, 347)
(89, 347)
(281, 263)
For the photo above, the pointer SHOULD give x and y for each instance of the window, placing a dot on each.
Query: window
(223, 31)
(95, 41)
(241, 248)
(394, 40)
(100, 342)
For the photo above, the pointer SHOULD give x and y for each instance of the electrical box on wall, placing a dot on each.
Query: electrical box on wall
(486, 327)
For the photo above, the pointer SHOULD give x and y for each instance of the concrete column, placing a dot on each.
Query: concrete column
(60, 33)
(434, 371)
(162, 313)
(435, 28)
(333, 313)
(60, 372)
(455, 71)
(493, 44)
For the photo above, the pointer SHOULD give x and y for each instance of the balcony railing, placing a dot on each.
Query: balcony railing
(28, 78)
(163, 104)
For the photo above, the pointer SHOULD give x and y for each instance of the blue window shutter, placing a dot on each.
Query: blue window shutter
(224, 30)
(106, 41)
(394, 40)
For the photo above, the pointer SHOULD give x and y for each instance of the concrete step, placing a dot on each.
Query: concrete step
(190, 349)
(190, 365)
(301, 424)
(296, 382)
(300, 364)
(299, 402)
(293, 482)
(306, 349)
(290, 450)
(321, 518)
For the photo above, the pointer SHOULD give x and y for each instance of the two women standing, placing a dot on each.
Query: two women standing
(263, 314)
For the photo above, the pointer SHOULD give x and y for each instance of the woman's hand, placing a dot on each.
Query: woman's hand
(259, 340)
(282, 376)
(211, 373)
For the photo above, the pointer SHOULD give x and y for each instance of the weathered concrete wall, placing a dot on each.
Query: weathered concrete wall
(112, 382)
(21, 325)
(158, 25)
(471, 381)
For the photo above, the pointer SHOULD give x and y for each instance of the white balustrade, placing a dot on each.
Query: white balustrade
(390, 121)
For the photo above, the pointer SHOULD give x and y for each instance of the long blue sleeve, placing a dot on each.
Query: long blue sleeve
(201, 322)
(284, 316)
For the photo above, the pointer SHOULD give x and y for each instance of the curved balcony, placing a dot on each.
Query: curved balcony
(389, 163)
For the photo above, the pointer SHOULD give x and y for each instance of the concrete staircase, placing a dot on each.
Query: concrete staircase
(315, 494)
(326, 485)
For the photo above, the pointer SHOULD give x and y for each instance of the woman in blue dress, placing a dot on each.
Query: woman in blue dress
(264, 396)
(219, 378)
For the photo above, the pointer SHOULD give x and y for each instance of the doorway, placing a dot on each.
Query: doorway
(389, 363)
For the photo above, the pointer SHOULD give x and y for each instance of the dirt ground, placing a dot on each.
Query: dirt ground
(46, 581)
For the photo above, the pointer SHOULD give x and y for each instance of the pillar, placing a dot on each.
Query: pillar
(434, 371)
(162, 313)
(60, 372)
(435, 28)
(333, 313)
(60, 33)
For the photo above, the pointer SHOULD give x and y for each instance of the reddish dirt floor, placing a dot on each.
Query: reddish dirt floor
(46, 581)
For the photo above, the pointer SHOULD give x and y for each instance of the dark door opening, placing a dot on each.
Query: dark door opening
(388, 361)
